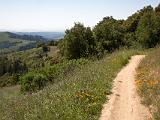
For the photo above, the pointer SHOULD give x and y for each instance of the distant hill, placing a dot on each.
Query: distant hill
(36, 38)
(8, 44)
(46, 35)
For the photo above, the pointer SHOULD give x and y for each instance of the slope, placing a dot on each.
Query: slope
(8, 44)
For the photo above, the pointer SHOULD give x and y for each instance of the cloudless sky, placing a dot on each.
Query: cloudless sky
(58, 15)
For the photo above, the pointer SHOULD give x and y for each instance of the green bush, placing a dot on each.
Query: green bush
(36, 79)
(39, 81)
(33, 81)
(26, 82)
(15, 78)
(45, 48)
(51, 72)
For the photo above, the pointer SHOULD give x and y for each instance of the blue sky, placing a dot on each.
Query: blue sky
(58, 15)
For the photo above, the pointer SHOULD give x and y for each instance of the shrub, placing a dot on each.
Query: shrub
(45, 48)
(26, 82)
(38, 78)
(39, 81)
(15, 78)
(33, 81)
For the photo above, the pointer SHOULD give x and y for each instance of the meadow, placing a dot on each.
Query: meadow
(77, 95)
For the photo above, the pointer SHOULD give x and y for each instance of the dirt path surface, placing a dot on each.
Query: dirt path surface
(124, 103)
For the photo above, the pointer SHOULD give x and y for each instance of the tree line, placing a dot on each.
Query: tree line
(11, 66)
(140, 30)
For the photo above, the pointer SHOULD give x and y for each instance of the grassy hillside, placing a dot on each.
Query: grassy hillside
(32, 58)
(8, 44)
(78, 95)
(148, 81)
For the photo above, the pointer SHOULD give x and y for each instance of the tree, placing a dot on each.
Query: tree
(90, 41)
(53, 43)
(45, 48)
(78, 42)
(130, 25)
(129, 40)
(109, 34)
(157, 9)
(157, 23)
(145, 32)
(11, 66)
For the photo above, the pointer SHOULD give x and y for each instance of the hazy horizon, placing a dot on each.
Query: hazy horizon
(58, 15)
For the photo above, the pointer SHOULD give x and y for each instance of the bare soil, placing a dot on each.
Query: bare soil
(124, 103)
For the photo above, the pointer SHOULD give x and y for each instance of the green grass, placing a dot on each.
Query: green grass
(148, 81)
(77, 96)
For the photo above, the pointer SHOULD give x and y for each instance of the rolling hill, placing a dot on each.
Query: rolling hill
(46, 35)
(8, 44)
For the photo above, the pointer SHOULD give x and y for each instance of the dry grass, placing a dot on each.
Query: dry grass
(148, 81)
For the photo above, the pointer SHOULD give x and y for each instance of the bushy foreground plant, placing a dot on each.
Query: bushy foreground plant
(36, 79)
(33, 81)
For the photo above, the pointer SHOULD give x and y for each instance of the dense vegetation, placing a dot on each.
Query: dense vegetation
(15, 64)
(10, 67)
(141, 30)
(148, 81)
(78, 42)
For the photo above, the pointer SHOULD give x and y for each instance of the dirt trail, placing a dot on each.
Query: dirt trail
(124, 103)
